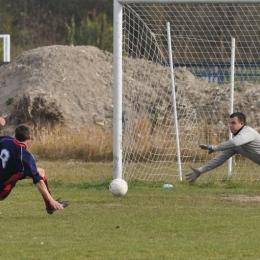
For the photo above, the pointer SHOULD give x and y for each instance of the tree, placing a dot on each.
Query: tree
(35, 23)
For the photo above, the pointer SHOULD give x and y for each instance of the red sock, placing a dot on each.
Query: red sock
(47, 203)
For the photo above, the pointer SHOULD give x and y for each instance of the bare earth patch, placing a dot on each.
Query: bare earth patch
(242, 198)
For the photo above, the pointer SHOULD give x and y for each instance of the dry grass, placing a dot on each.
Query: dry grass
(91, 143)
(160, 144)
(94, 143)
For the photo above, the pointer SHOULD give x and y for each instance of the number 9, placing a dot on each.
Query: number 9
(4, 156)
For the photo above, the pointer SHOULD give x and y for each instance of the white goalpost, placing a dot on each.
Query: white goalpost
(174, 103)
(6, 47)
(180, 69)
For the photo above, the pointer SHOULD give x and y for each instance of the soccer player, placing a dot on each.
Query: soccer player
(246, 141)
(16, 163)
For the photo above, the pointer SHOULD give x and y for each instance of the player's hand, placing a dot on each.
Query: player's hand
(207, 147)
(2, 120)
(56, 204)
(194, 175)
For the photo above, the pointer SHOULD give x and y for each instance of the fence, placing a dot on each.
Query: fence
(219, 72)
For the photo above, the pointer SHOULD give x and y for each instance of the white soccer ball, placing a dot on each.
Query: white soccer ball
(118, 187)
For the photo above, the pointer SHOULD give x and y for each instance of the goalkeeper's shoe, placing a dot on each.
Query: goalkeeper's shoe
(65, 203)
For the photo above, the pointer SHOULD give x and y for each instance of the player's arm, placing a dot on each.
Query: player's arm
(212, 164)
(245, 136)
(30, 170)
(220, 147)
(45, 193)
(217, 160)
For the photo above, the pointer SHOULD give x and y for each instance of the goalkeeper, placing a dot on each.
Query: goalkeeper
(246, 141)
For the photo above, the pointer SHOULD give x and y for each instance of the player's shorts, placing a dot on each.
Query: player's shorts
(6, 190)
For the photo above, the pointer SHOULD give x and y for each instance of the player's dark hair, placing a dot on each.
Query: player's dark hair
(22, 133)
(241, 117)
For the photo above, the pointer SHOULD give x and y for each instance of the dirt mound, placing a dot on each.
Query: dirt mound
(58, 85)
(73, 86)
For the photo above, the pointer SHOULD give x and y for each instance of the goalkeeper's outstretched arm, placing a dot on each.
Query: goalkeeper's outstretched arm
(212, 164)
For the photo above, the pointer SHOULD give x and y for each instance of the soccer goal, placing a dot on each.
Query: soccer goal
(5, 46)
(180, 69)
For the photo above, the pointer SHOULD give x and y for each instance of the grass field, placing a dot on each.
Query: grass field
(198, 221)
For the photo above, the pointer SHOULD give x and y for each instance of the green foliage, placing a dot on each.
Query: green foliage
(97, 33)
(9, 101)
(33, 24)
(71, 31)
(6, 18)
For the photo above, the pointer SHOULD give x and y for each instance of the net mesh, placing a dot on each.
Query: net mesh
(201, 36)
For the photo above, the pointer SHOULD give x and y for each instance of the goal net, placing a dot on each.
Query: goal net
(163, 110)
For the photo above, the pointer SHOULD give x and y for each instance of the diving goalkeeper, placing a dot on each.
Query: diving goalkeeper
(246, 141)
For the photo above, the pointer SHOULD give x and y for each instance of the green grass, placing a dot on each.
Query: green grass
(184, 222)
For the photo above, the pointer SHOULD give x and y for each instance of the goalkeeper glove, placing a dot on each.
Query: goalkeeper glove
(194, 175)
(207, 147)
